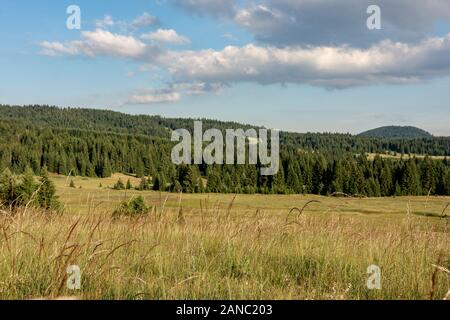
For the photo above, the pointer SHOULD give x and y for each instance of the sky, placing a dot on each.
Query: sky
(295, 65)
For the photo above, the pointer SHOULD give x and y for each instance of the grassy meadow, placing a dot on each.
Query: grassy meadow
(222, 246)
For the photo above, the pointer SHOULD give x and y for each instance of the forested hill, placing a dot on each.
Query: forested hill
(103, 120)
(397, 132)
(98, 143)
(106, 121)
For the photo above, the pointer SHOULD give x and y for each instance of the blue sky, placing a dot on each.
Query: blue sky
(297, 65)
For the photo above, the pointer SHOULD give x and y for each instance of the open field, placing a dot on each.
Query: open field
(391, 155)
(224, 247)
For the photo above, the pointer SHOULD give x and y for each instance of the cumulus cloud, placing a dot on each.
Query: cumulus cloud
(328, 66)
(331, 67)
(168, 36)
(99, 42)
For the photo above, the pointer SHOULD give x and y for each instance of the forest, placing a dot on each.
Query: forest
(97, 143)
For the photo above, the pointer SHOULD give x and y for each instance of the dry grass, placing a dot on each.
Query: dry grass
(225, 250)
(371, 156)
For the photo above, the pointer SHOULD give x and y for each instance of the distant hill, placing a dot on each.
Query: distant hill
(397, 132)
(106, 124)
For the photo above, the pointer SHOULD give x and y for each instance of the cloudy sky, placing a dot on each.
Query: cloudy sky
(299, 65)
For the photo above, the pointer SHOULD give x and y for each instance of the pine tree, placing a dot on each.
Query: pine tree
(292, 180)
(410, 181)
(46, 195)
(27, 187)
(105, 169)
(129, 185)
(156, 184)
(386, 188)
(213, 181)
(139, 169)
(337, 178)
(9, 193)
(428, 176)
(397, 190)
(162, 183)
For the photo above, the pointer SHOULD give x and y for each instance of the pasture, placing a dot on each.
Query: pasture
(221, 246)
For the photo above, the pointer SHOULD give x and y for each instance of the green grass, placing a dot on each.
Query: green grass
(225, 247)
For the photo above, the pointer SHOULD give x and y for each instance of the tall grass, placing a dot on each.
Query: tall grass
(221, 253)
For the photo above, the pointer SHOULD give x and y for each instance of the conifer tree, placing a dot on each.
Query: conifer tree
(46, 195)
(27, 186)
(129, 185)
(9, 193)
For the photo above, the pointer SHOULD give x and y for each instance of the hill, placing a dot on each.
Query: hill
(101, 122)
(98, 143)
(397, 132)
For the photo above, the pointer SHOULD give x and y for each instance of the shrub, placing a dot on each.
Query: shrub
(134, 207)
(119, 185)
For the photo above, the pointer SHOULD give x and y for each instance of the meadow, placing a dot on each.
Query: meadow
(223, 246)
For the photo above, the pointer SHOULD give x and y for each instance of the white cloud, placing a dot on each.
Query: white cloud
(168, 36)
(173, 92)
(57, 48)
(98, 42)
(145, 20)
(195, 72)
(106, 22)
(155, 96)
(331, 67)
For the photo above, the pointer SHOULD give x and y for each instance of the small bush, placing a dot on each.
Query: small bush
(119, 185)
(134, 207)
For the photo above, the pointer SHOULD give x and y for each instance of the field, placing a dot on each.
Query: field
(398, 156)
(226, 247)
